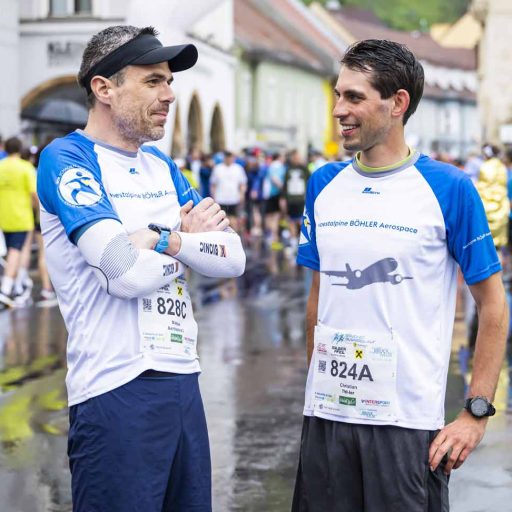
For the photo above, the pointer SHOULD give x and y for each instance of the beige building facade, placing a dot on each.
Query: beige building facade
(495, 69)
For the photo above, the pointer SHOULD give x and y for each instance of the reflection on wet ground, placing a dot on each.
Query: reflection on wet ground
(252, 354)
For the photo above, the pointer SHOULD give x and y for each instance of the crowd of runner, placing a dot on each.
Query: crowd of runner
(262, 192)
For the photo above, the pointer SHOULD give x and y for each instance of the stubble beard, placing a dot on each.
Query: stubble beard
(138, 129)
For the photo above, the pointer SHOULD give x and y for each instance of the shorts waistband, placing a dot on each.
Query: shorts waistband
(155, 374)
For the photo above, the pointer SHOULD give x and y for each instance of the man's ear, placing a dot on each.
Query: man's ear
(101, 88)
(401, 103)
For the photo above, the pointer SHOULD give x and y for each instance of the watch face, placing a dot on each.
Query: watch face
(478, 407)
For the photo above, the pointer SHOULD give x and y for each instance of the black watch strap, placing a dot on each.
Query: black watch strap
(491, 410)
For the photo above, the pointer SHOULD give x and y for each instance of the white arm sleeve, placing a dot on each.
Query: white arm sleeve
(213, 253)
(123, 270)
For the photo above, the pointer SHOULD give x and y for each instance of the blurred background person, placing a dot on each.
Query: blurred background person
(182, 166)
(317, 160)
(492, 187)
(274, 181)
(227, 185)
(491, 184)
(472, 166)
(252, 168)
(294, 195)
(194, 160)
(3, 153)
(507, 160)
(205, 173)
(260, 194)
(17, 199)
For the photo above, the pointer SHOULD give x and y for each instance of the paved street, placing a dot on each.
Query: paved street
(252, 353)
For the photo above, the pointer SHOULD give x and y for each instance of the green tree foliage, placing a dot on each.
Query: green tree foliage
(409, 14)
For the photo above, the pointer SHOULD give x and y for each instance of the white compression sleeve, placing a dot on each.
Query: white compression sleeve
(123, 270)
(212, 253)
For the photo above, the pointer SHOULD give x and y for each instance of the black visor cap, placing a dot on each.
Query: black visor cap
(179, 58)
(142, 50)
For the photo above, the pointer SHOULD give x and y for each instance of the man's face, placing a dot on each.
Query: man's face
(365, 117)
(295, 158)
(140, 104)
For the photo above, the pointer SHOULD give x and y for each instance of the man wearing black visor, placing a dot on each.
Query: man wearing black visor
(121, 224)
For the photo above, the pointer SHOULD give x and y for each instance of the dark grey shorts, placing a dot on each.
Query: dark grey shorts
(365, 468)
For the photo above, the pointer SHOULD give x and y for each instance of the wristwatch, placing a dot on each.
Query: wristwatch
(479, 407)
(164, 232)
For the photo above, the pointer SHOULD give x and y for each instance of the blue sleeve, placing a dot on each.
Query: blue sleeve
(184, 190)
(468, 235)
(69, 184)
(307, 253)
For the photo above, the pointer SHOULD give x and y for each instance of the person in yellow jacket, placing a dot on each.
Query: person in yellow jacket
(492, 187)
(17, 198)
(182, 166)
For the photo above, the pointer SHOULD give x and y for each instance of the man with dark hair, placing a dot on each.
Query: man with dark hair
(17, 199)
(383, 234)
(120, 224)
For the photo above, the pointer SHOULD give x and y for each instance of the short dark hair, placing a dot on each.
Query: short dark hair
(13, 145)
(490, 150)
(391, 66)
(105, 42)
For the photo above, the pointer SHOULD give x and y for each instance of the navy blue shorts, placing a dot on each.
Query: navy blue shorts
(15, 240)
(141, 447)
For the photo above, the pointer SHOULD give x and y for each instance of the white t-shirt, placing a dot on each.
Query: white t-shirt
(81, 180)
(387, 245)
(227, 180)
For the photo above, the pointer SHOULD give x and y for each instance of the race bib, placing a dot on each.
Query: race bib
(166, 321)
(354, 374)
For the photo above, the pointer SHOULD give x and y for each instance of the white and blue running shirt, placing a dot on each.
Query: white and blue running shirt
(81, 180)
(387, 245)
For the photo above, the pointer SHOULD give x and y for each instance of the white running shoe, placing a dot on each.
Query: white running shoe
(48, 299)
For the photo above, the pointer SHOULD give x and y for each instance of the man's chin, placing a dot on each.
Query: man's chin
(156, 134)
(351, 145)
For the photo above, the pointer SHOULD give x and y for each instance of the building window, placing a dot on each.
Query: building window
(62, 8)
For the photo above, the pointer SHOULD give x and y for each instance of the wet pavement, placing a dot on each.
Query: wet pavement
(252, 351)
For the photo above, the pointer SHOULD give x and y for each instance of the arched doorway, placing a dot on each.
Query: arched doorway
(194, 125)
(217, 137)
(53, 108)
(177, 146)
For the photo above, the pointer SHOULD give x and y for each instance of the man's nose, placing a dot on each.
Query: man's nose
(340, 109)
(167, 95)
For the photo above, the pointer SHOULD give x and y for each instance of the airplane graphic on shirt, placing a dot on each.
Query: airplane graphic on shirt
(378, 272)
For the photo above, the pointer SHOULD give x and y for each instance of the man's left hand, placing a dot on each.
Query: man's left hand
(457, 439)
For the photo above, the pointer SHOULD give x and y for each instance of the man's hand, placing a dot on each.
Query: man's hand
(144, 239)
(457, 439)
(205, 216)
